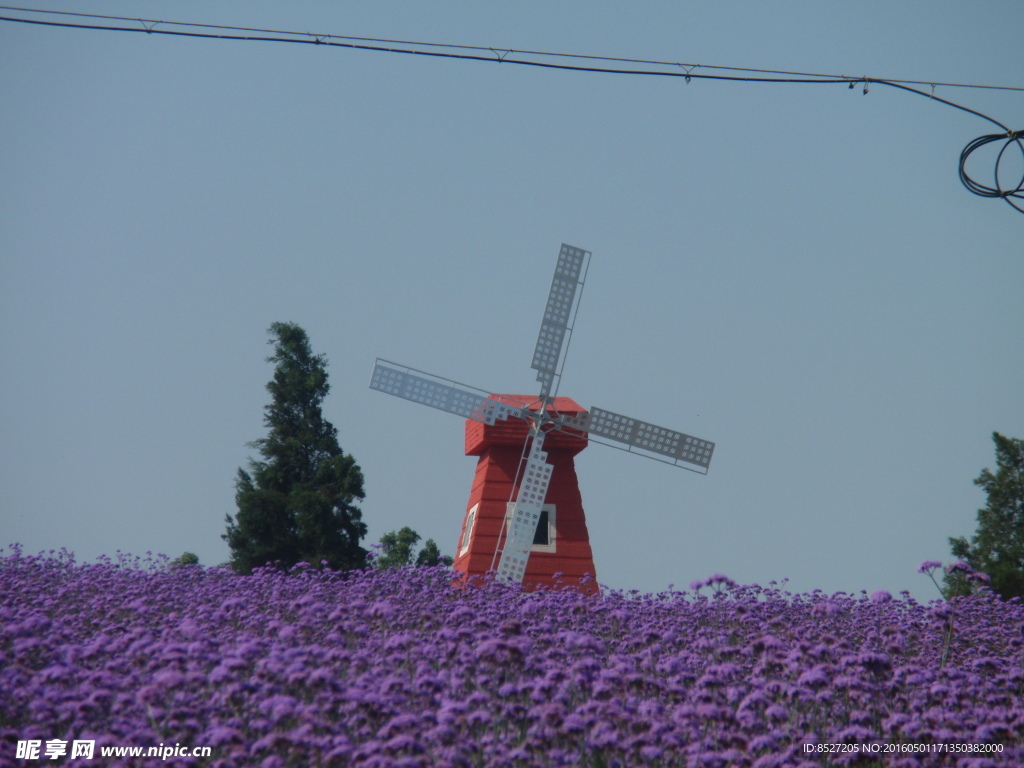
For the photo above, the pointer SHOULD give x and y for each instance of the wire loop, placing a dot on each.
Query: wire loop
(1009, 194)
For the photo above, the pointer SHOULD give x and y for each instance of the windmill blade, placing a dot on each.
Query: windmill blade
(443, 394)
(523, 525)
(558, 314)
(642, 437)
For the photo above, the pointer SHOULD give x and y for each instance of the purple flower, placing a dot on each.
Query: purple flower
(815, 677)
(399, 669)
(651, 752)
(602, 734)
(928, 565)
(716, 580)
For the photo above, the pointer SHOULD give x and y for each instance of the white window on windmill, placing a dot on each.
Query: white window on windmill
(467, 533)
(544, 538)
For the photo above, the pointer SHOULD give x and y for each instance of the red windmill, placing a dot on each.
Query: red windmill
(525, 515)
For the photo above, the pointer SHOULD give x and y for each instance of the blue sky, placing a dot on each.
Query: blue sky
(792, 271)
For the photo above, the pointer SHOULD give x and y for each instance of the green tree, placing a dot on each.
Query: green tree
(430, 555)
(396, 550)
(997, 547)
(186, 558)
(297, 503)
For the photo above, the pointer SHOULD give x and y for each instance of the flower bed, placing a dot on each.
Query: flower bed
(399, 668)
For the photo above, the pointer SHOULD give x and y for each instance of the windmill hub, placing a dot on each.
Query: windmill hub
(537, 414)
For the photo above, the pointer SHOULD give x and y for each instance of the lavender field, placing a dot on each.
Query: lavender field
(398, 668)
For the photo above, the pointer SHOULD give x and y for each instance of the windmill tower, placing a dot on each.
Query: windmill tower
(525, 517)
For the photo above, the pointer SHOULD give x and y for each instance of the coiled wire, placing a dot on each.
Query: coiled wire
(1011, 194)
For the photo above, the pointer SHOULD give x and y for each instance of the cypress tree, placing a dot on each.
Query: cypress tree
(297, 502)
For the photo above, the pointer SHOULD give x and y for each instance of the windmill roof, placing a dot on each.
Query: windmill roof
(514, 431)
(559, 404)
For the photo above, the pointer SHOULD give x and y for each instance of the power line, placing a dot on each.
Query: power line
(497, 54)
(560, 61)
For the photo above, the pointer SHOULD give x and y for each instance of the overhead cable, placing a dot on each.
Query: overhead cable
(558, 61)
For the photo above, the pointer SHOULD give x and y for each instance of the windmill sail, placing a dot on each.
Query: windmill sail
(558, 313)
(438, 393)
(522, 527)
(642, 437)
